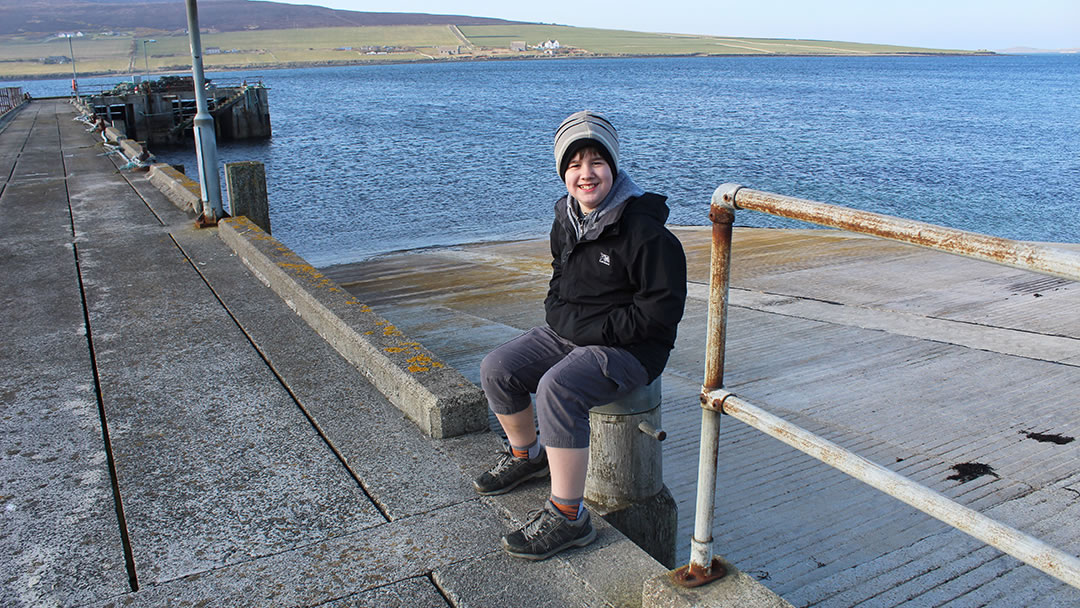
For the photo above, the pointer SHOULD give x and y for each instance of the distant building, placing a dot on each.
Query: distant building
(212, 50)
(519, 46)
(551, 45)
(449, 50)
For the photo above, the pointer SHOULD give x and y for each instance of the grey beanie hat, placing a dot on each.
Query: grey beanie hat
(585, 127)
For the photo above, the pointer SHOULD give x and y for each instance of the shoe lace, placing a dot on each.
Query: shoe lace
(504, 462)
(538, 524)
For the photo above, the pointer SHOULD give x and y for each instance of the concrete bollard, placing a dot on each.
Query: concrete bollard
(625, 481)
(245, 183)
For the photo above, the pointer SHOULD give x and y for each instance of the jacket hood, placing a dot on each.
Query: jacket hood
(653, 205)
(625, 197)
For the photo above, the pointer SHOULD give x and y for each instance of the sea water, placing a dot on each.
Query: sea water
(369, 159)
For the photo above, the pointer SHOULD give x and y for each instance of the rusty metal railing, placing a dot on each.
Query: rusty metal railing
(715, 400)
(10, 98)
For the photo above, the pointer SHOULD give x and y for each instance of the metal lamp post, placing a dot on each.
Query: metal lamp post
(146, 59)
(205, 139)
(74, 75)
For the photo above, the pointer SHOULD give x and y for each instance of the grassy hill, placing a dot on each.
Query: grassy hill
(50, 16)
(29, 55)
(619, 42)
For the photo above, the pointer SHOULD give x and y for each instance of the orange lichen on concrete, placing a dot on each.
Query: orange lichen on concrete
(422, 363)
(185, 181)
(404, 347)
(304, 269)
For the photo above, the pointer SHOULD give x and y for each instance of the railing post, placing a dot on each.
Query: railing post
(703, 566)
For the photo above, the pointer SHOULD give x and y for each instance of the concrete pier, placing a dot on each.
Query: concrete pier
(175, 434)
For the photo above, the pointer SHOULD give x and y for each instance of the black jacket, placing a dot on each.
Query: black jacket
(625, 287)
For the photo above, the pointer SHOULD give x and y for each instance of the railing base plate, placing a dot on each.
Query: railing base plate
(693, 576)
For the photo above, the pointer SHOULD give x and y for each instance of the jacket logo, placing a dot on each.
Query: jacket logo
(605, 259)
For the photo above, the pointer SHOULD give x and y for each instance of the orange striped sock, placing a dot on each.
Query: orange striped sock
(571, 511)
(530, 451)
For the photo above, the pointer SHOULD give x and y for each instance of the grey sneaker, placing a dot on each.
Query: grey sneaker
(510, 472)
(547, 532)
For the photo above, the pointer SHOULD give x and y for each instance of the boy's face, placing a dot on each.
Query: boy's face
(588, 178)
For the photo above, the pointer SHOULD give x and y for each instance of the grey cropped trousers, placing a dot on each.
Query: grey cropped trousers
(568, 380)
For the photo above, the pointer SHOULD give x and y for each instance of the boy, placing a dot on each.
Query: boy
(615, 298)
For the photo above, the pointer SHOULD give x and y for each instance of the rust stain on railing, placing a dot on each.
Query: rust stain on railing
(1016, 254)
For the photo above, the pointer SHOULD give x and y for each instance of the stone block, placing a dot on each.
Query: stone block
(245, 183)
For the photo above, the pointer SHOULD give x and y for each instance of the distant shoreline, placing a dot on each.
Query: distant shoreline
(480, 59)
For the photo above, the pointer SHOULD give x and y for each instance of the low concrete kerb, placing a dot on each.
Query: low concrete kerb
(184, 192)
(441, 401)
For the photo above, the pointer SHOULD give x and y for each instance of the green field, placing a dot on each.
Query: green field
(619, 42)
(22, 56)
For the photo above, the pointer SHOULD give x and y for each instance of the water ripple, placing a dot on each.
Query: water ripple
(370, 159)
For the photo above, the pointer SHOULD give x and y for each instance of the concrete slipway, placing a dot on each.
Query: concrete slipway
(170, 425)
(916, 360)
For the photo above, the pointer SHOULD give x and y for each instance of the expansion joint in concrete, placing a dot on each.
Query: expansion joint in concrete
(435, 583)
(142, 198)
(118, 503)
(285, 385)
(22, 148)
(125, 538)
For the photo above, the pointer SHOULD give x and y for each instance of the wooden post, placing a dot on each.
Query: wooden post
(625, 481)
(246, 185)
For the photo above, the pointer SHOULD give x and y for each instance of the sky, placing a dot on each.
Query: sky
(945, 24)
